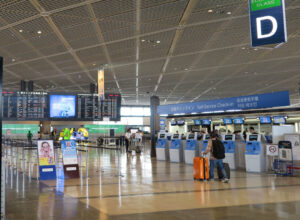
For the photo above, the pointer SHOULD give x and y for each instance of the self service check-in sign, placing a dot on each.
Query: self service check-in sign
(267, 20)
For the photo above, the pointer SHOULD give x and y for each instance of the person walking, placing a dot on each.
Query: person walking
(29, 137)
(127, 139)
(217, 153)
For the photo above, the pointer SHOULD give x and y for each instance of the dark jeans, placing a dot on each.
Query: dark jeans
(127, 144)
(219, 163)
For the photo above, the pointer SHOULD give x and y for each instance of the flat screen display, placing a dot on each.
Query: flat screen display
(180, 122)
(175, 136)
(62, 106)
(162, 136)
(279, 120)
(227, 121)
(228, 137)
(197, 122)
(238, 121)
(207, 137)
(265, 120)
(206, 122)
(253, 138)
(191, 136)
(173, 123)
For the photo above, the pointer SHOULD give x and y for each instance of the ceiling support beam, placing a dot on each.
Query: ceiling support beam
(186, 14)
(102, 41)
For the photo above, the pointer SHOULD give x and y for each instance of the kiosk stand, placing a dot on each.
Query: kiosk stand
(191, 148)
(229, 144)
(176, 149)
(205, 140)
(255, 153)
(284, 165)
(162, 147)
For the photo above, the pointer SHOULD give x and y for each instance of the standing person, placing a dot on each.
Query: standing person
(245, 134)
(127, 139)
(217, 153)
(252, 130)
(29, 137)
(40, 135)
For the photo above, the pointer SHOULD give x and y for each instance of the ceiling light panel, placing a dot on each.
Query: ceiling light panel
(56, 4)
(71, 17)
(17, 11)
(171, 9)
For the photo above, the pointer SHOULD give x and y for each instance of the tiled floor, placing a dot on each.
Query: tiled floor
(143, 188)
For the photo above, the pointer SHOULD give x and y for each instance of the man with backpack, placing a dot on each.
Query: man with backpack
(217, 153)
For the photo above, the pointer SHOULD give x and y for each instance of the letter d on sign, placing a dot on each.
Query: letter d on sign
(259, 29)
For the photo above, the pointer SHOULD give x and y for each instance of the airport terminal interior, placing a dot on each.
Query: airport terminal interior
(150, 109)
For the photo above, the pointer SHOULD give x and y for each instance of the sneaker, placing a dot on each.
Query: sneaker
(225, 180)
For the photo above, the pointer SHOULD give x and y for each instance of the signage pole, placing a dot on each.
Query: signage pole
(2, 161)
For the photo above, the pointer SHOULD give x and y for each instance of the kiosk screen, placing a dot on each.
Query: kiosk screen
(253, 138)
(207, 137)
(175, 136)
(191, 136)
(228, 137)
(162, 136)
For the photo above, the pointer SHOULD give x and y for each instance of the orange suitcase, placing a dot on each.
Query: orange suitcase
(201, 168)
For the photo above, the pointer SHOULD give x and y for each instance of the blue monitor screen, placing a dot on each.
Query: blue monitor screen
(173, 123)
(180, 122)
(62, 106)
(279, 120)
(265, 120)
(206, 122)
(238, 121)
(227, 121)
(197, 122)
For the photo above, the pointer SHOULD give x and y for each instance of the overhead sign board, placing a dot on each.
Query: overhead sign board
(267, 22)
(267, 100)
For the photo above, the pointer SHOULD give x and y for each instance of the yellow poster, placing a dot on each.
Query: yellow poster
(101, 84)
(46, 152)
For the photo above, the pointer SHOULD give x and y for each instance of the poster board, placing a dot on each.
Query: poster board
(46, 159)
(70, 160)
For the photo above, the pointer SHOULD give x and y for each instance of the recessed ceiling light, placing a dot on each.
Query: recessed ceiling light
(255, 49)
(20, 30)
(39, 32)
(210, 11)
(94, 64)
(229, 13)
(158, 41)
(243, 48)
(13, 60)
(143, 40)
(186, 69)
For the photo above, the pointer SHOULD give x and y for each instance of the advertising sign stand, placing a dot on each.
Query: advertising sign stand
(46, 160)
(70, 161)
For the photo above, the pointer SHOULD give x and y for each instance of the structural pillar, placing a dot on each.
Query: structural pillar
(154, 122)
(3, 170)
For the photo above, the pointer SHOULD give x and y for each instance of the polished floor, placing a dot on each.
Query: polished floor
(114, 185)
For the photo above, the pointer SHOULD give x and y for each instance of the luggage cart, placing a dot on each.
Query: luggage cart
(136, 145)
(284, 164)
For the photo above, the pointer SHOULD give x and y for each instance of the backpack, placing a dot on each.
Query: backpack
(218, 149)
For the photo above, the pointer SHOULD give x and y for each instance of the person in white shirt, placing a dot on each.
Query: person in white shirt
(127, 139)
(139, 136)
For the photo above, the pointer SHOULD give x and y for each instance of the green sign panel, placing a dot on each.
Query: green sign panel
(19, 128)
(104, 129)
(263, 4)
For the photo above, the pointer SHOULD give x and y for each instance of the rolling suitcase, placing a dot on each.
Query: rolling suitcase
(227, 170)
(201, 168)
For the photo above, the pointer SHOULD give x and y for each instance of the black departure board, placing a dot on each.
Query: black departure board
(34, 106)
(25, 105)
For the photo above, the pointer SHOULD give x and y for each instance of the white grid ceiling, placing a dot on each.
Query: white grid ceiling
(175, 49)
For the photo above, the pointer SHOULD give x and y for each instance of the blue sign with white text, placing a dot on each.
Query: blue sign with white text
(267, 100)
(267, 22)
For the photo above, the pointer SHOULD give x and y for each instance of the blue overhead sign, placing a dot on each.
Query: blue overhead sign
(267, 22)
(267, 100)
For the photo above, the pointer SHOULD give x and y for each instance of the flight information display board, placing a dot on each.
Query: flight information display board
(35, 106)
(25, 106)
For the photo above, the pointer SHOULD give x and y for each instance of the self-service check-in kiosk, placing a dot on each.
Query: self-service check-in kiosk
(162, 147)
(229, 144)
(255, 153)
(205, 141)
(176, 149)
(191, 149)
